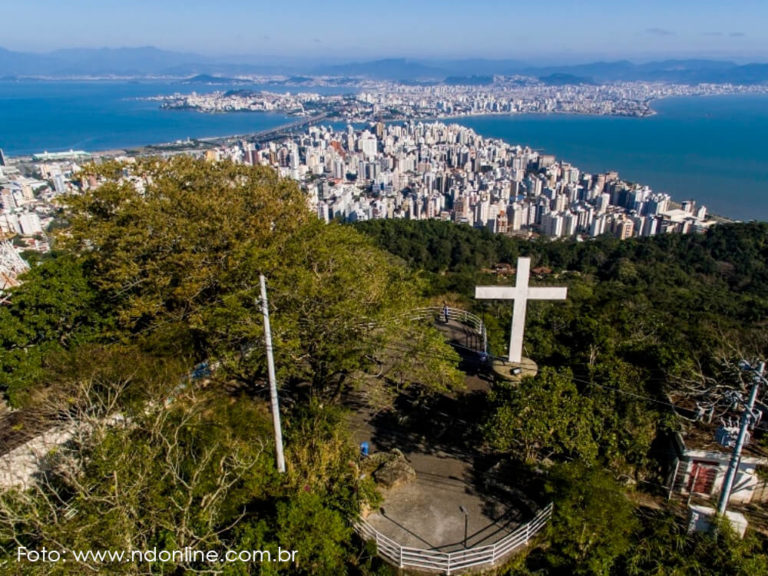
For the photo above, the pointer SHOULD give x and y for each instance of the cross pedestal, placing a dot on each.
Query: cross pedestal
(509, 372)
(520, 293)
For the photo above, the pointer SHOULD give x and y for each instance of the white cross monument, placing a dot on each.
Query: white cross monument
(520, 293)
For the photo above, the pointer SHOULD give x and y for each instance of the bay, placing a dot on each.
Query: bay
(102, 115)
(711, 149)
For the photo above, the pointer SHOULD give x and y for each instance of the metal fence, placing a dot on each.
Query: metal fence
(453, 562)
(468, 319)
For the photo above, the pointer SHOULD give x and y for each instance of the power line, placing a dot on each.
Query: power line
(396, 347)
(626, 392)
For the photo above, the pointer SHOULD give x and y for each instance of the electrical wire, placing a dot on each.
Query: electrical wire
(401, 348)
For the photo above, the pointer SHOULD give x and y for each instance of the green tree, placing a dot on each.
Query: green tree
(172, 251)
(56, 309)
(180, 246)
(592, 522)
(141, 474)
(161, 234)
(337, 303)
(543, 417)
(663, 547)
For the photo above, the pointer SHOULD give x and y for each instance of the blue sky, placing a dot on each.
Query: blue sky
(533, 30)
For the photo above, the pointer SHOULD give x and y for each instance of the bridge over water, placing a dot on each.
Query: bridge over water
(285, 129)
(270, 134)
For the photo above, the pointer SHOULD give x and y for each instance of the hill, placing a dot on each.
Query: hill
(142, 336)
(149, 61)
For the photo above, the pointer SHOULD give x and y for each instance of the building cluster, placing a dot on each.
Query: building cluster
(501, 95)
(28, 207)
(410, 170)
(28, 193)
(243, 101)
(423, 171)
(523, 95)
(26, 203)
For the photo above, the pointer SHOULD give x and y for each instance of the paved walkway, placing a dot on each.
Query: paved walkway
(426, 513)
(460, 334)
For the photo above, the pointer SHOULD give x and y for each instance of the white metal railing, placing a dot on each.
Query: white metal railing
(452, 562)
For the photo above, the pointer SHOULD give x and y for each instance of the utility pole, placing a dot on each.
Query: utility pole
(746, 419)
(272, 379)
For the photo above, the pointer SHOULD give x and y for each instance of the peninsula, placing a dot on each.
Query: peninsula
(366, 100)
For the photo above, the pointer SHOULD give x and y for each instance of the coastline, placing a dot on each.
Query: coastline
(96, 152)
(339, 120)
(200, 145)
(649, 111)
(718, 163)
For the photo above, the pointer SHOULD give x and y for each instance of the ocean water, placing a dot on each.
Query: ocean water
(711, 149)
(56, 116)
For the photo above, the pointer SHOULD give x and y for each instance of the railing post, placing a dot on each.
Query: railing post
(400, 549)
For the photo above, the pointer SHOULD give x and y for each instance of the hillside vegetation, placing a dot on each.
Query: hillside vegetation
(143, 333)
(646, 320)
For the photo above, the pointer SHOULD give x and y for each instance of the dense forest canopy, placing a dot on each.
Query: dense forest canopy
(654, 296)
(645, 320)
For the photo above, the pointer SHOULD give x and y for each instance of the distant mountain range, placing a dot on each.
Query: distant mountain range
(678, 71)
(150, 61)
(146, 61)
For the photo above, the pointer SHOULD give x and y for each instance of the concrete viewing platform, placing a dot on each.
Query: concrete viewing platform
(446, 506)
(429, 512)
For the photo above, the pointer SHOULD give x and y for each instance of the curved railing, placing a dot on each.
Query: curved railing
(468, 319)
(453, 562)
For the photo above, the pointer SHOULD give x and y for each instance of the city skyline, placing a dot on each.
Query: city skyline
(557, 31)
